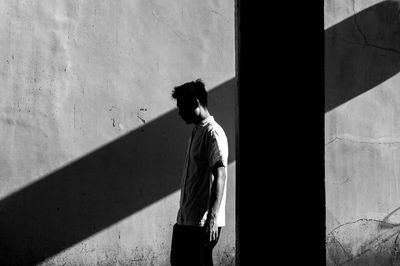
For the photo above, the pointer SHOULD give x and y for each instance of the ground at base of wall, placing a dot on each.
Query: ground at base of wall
(363, 242)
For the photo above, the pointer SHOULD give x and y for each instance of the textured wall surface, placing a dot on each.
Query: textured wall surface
(362, 132)
(91, 143)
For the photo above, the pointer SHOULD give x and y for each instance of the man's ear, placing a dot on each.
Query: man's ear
(198, 103)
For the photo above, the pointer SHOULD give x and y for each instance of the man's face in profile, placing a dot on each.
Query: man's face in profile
(187, 110)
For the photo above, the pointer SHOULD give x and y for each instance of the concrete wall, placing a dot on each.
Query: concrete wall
(92, 147)
(362, 132)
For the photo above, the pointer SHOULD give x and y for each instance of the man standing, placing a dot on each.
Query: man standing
(203, 186)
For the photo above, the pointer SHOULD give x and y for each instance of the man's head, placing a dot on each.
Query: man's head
(191, 97)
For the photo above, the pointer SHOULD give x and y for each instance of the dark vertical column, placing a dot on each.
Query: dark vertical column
(279, 154)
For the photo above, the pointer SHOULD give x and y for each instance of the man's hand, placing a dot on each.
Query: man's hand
(211, 229)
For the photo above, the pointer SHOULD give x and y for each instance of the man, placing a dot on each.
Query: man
(203, 186)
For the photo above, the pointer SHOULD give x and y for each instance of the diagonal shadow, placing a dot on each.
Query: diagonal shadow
(361, 52)
(103, 187)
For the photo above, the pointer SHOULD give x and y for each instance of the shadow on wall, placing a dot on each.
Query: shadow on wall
(361, 52)
(103, 187)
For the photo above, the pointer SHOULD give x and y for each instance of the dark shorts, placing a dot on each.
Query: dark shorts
(190, 246)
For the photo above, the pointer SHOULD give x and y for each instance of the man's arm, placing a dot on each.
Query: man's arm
(217, 191)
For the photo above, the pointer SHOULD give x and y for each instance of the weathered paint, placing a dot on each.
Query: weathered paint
(362, 132)
(78, 80)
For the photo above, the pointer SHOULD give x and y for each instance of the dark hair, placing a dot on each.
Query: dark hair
(191, 91)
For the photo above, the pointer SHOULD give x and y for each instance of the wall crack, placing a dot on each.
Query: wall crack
(364, 36)
(372, 142)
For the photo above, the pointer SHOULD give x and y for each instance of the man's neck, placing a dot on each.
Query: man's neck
(204, 114)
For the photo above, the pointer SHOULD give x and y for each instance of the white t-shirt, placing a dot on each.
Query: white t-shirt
(207, 145)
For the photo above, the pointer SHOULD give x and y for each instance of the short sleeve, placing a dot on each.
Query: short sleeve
(217, 148)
